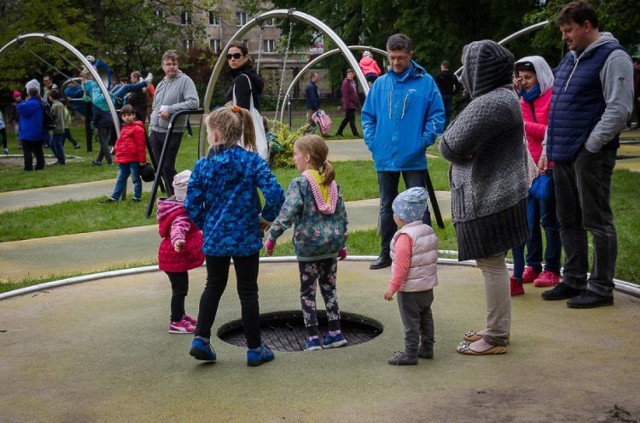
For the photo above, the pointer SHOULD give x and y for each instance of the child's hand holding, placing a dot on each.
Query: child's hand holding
(263, 224)
(342, 254)
(388, 295)
(269, 246)
(178, 245)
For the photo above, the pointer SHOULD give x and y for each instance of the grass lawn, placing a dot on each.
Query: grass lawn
(357, 179)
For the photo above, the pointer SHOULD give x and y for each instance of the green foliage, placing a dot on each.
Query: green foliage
(286, 137)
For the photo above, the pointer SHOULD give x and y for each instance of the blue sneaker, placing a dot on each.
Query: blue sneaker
(257, 356)
(313, 345)
(334, 341)
(202, 350)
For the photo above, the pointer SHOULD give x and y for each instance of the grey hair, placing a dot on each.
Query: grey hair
(399, 42)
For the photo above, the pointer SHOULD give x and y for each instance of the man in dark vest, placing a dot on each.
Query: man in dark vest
(591, 102)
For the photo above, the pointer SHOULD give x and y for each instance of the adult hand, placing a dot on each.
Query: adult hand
(164, 114)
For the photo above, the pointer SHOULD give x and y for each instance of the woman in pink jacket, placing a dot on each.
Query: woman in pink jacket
(534, 80)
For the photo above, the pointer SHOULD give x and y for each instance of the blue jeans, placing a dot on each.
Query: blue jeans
(125, 89)
(124, 170)
(57, 145)
(388, 183)
(447, 102)
(583, 197)
(543, 212)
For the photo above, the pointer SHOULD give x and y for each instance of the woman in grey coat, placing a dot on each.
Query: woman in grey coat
(489, 185)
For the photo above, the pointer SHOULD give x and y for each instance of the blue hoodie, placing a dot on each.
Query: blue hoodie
(402, 116)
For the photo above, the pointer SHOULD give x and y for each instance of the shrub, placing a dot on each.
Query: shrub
(286, 137)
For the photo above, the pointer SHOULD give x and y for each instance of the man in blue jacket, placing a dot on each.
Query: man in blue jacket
(402, 116)
(591, 102)
(313, 99)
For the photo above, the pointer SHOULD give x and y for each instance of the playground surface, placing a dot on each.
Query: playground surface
(100, 351)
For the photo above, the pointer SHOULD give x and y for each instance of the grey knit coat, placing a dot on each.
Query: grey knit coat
(485, 146)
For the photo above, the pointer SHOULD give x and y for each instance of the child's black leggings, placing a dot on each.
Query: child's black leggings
(179, 289)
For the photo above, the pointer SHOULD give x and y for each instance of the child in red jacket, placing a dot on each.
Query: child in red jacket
(131, 155)
(180, 251)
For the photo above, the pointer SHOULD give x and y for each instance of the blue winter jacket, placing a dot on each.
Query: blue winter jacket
(221, 200)
(402, 116)
(31, 113)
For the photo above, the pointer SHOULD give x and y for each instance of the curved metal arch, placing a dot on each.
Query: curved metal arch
(513, 36)
(278, 13)
(322, 57)
(84, 61)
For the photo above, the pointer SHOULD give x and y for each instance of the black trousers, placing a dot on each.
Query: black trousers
(168, 171)
(349, 117)
(246, 268)
(179, 290)
(30, 149)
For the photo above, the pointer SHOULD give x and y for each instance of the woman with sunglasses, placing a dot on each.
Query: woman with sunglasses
(240, 64)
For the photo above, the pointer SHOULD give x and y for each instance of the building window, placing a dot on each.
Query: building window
(268, 46)
(270, 22)
(241, 18)
(214, 19)
(185, 18)
(216, 45)
(187, 44)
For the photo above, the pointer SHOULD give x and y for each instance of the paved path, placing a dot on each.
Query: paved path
(99, 251)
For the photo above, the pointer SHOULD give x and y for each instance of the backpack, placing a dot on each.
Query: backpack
(48, 118)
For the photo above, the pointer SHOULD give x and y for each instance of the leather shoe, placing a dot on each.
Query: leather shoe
(380, 263)
(589, 299)
(562, 291)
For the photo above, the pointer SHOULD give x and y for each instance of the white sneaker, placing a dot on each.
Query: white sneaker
(149, 78)
(5, 150)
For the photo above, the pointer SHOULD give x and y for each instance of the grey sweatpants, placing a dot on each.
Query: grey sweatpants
(415, 311)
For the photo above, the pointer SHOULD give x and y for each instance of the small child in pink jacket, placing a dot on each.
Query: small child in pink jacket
(180, 250)
(414, 250)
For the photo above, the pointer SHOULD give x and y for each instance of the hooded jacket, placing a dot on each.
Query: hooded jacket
(179, 93)
(488, 175)
(369, 65)
(241, 85)
(31, 113)
(536, 112)
(221, 200)
(320, 227)
(592, 99)
(402, 116)
(131, 146)
(174, 225)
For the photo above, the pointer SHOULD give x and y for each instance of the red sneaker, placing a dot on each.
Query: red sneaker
(517, 288)
(190, 319)
(529, 274)
(546, 279)
(181, 327)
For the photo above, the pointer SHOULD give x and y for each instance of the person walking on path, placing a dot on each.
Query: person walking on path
(414, 250)
(131, 155)
(591, 102)
(32, 133)
(176, 92)
(315, 207)
(489, 184)
(448, 84)
(402, 116)
(350, 104)
(312, 98)
(221, 201)
(180, 251)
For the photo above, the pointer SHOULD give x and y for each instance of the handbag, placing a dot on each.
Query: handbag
(261, 139)
(322, 120)
(542, 187)
(147, 173)
(48, 118)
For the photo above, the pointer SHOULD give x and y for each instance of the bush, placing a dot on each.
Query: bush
(286, 137)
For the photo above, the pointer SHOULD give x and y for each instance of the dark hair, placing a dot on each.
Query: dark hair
(239, 45)
(524, 66)
(578, 12)
(349, 70)
(127, 109)
(54, 94)
(445, 64)
(170, 55)
(399, 42)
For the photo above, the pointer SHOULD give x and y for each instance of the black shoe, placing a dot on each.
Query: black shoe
(108, 200)
(562, 291)
(380, 263)
(425, 350)
(401, 358)
(76, 146)
(589, 299)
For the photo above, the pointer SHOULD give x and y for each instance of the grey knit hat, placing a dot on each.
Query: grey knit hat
(411, 204)
(180, 183)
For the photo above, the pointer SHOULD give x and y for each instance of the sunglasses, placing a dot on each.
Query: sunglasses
(234, 56)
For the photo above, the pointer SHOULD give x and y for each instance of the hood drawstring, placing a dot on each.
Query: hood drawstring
(404, 104)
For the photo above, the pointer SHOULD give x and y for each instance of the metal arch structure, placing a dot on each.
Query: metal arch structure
(513, 36)
(80, 56)
(322, 57)
(277, 13)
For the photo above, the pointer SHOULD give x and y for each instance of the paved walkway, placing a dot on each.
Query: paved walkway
(99, 251)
